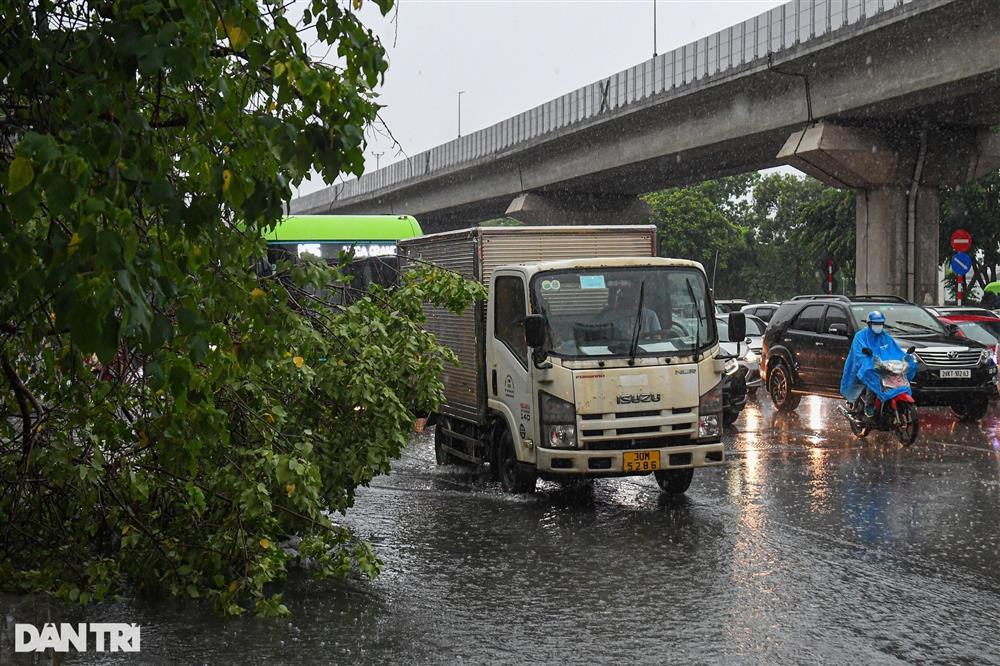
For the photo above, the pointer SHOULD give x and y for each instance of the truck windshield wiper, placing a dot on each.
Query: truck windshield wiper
(634, 347)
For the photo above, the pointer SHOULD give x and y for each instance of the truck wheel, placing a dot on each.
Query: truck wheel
(513, 476)
(674, 481)
(440, 439)
(973, 409)
(779, 385)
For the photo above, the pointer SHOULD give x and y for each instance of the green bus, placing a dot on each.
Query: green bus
(326, 236)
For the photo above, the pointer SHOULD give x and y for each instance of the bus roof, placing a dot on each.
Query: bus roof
(296, 228)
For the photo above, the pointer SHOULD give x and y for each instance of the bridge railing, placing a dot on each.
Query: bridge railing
(780, 28)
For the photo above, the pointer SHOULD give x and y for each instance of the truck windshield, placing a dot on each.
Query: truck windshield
(595, 312)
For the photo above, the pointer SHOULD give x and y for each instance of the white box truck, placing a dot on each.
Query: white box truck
(590, 358)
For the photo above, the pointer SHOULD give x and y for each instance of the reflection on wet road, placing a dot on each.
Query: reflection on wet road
(808, 546)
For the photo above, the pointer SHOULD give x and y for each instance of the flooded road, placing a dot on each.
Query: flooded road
(808, 546)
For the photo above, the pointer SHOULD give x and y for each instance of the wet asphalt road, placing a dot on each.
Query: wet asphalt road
(806, 547)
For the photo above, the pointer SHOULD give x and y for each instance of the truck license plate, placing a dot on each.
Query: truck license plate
(956, 374)
(640, 461)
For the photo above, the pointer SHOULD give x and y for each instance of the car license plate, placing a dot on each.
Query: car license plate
(956, 374)
(640, 461)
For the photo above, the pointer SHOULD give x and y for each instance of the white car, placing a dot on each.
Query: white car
(743, 352)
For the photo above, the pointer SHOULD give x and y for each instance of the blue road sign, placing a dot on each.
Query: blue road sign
(961, 263)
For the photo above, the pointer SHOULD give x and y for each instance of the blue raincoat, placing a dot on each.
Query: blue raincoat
(859, 370)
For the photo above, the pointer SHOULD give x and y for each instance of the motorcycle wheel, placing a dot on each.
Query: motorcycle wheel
(907, 434)
(859, 430)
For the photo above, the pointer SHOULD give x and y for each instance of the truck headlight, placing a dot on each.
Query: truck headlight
(558, 419)
(708, 426)
(709, 408)
(560, 436)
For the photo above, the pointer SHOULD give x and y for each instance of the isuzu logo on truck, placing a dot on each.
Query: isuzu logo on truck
(636, 398)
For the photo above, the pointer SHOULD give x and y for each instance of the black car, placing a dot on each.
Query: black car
(809, 337)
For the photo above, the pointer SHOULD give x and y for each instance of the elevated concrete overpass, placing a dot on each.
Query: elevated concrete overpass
(877, 95)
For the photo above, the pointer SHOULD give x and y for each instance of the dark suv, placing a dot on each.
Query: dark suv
(807, 341)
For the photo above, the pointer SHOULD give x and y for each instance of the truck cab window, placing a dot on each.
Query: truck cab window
(508, 326)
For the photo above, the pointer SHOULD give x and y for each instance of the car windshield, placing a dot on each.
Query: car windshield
(900, 318)
(979, 331)
(596, 312)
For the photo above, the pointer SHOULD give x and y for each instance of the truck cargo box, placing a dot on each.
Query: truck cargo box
(475, 253)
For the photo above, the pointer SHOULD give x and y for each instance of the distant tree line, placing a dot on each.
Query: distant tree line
(764, 237)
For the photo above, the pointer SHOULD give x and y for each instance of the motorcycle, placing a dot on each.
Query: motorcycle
(898, 414)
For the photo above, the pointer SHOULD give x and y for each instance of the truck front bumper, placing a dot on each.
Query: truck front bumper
(577, 462)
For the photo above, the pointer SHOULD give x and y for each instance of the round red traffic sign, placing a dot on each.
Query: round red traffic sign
(961, 240)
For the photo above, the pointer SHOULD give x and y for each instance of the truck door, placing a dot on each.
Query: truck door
(508, 381)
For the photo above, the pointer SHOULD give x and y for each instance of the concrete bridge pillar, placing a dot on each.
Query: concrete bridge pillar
(563, 208)
(897, 174)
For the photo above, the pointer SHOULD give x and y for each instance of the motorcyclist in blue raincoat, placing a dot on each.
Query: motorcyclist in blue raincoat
(859, 369)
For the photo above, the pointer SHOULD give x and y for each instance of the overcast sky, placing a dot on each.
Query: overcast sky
(511, 55)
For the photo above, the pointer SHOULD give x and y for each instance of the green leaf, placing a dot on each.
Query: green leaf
(161, 331)
(60, 194)
(20, 174)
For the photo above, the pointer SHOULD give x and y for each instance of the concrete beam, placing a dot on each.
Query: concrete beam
(571, 209)
(863, 157)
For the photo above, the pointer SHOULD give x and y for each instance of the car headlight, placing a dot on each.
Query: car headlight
(750, 356)
(731, 366)
(558, 419)
(984, 357)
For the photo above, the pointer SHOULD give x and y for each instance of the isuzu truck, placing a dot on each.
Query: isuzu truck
(591, 357)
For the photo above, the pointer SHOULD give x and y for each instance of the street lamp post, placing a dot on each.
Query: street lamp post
(460, 93)
(654, 28)
(377, 156)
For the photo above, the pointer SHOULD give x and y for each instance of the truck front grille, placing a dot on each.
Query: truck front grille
(611, 428)
(646, 443)
(949, 359)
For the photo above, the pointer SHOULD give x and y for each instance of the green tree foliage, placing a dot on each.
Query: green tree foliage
(702, 223)
(798, 222)
(770, 232)
(169, 415)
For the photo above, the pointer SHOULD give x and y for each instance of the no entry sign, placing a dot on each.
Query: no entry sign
(961, 240)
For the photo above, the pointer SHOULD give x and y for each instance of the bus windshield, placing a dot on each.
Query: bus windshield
(327, 236)
(597, 312)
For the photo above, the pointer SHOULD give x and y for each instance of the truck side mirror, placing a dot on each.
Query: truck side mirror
(534, 330)
(737, 326)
